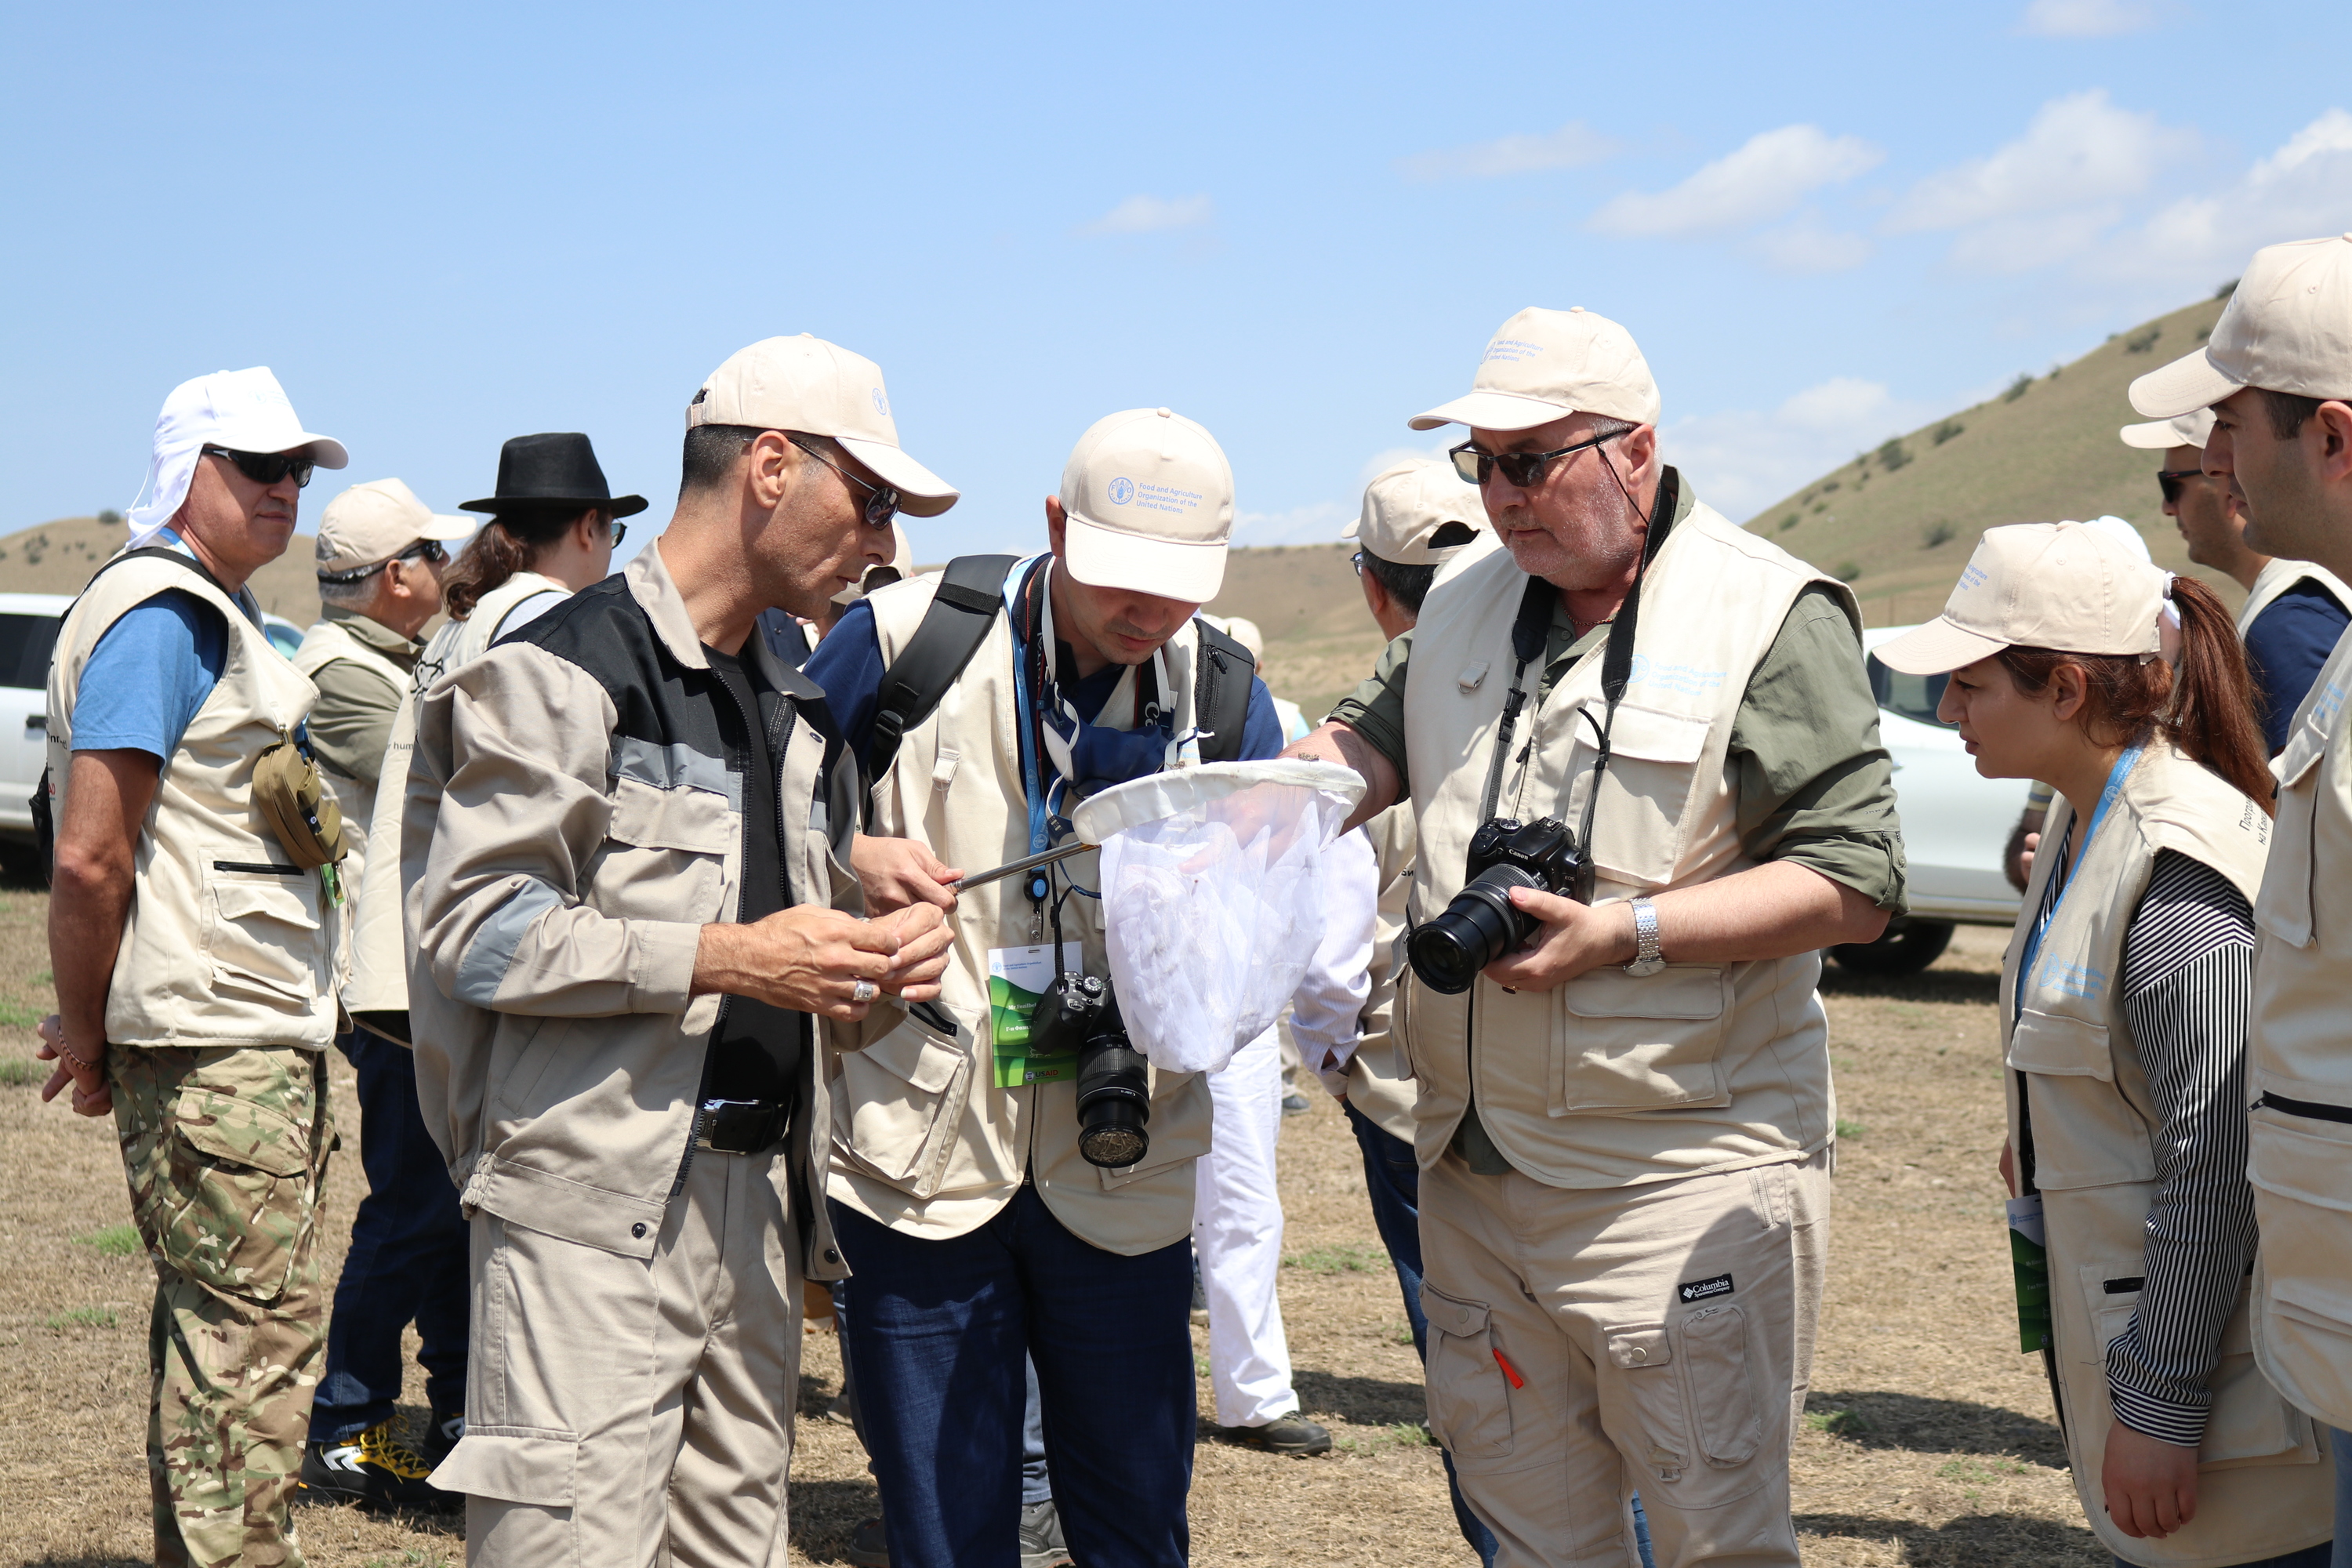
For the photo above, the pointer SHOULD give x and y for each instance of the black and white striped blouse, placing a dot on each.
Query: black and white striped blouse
(2188, 986)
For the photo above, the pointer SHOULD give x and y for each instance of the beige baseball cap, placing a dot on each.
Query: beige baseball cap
(807, 385)
(369, 525)
(2288, 328)
(1544, 364)
(1150, 499)
(1406, 504)
(2192, 429)
(2068, 586)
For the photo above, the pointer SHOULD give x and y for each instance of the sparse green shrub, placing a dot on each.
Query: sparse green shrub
(15, 1072)
(1836, 1423)
(1828, 486)
(2141, 342)
(1892, 454)
(1347, 1258)
(1788, 522)
(81, 1317)
(1946, 431)
(2226, 289)
(2018, 388)
(16, 1016)
(1939, 533)
(1820, 507)
(111, 517)
(1848, 570)
(1849, 1130)
(115, 1240)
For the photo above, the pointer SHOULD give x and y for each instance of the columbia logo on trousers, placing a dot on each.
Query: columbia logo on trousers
(1700, 1289)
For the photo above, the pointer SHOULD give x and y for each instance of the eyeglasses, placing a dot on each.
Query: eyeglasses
(427, 550)
(881, 501)
(2168, 479)
(1525, 470)
(1357, 561)
(620, 532)
(267, 468)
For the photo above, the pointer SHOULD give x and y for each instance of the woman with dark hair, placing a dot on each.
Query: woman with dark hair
(2125, 997)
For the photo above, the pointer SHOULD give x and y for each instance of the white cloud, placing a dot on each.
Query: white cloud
(2088, 18)
(1738, 460)
(1765, 179)
(1153, 214)
(1809, 246)
(2304, 188)
(2081, 151)
(1572, 146)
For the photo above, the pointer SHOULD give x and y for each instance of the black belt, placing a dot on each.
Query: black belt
(740, 1126)
(2312, 1109)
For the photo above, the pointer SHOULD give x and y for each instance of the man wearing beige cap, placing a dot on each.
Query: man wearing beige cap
(1623, 1114)
(622, 820)
(986, 701)
(2277, 373)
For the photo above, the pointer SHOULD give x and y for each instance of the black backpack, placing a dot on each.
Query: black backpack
(970, 598)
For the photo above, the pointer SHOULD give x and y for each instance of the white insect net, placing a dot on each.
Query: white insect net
(1212, 897)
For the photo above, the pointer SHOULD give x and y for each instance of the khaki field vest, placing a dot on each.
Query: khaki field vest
(379, 969)
(1566, 1080)
(225, 942)
(2281, 575)
(1379, 1080)
(2261, 1491)
(923, 1140)
(2301, 1051)
(322, 644)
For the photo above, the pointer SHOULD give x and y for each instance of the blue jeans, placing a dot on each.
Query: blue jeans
(1037, 1480)
(2342, 1442)
(938, 1331)
(408, 1261)
(1393, 1180)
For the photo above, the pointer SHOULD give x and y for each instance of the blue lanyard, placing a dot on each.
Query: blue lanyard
(2107, 797)
(1032, 765)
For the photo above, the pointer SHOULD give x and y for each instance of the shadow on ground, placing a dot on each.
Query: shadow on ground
(2013, 1540)
(1922, 1426)
(1359, 1400)
(824, 1514)
(1963, 986)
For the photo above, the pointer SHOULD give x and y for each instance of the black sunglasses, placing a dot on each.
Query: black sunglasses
(881, 501)
(1525, 470)
(268, 468)
(430, 550)
(2168, 480)
(620, 532)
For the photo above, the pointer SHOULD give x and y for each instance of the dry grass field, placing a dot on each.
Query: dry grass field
(1929, 1440)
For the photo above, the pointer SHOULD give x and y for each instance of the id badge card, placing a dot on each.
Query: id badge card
(1017, 978)
(2029, 1260)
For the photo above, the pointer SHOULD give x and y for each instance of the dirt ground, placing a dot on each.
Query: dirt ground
(1929, 1441)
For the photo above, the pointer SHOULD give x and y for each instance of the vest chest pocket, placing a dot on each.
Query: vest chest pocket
(666, 850)
(2304, 1205)
(896, 1104)
(2283, 908)
(261, 933)
(1638, 826)
(1620, 1044)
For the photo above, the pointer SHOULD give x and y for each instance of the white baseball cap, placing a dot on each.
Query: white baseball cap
(807, 385)
(243, 410)
(2068, 586)
(1544, 364)
(2192, 429)
(1406, 504)
(369, 525)
(2288, 328)
(1150, 499)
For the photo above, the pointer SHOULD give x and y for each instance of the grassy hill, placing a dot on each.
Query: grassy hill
(58, 557)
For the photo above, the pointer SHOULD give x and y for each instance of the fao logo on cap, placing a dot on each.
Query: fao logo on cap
(1122, 491)
(881, 404)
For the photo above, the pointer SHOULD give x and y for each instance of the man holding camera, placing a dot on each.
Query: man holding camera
(1624, 1115)
(1005, 1178)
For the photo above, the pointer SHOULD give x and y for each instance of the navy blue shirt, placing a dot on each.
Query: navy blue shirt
(2285, 649)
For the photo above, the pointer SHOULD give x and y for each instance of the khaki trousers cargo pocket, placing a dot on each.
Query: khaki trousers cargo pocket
(896, 1104)
(261, 933)
(234, 1209)
(1620, 1044)
(1469, 1393)
(1691, 1393)
(534, 1466)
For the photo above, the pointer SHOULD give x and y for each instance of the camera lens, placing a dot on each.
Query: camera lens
(1114, 1103)
(1474, 931)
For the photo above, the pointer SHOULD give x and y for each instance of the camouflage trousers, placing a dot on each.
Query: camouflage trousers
(227, 1154)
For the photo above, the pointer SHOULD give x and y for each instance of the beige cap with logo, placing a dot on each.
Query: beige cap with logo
(2287, 328)
(1545, 364)
(1407, 506)
(2193, 429)
(807, 385)
(369, 525)
(2071, 587)
(1150, 499)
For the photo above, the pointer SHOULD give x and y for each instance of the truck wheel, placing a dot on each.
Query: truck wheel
(1906, 947)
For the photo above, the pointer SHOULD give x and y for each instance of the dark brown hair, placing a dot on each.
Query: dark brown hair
(2208, 710)
(501, 547)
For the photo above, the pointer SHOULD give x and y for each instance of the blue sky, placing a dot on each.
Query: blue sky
(445, 226)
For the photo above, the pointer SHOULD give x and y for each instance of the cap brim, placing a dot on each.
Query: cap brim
(2155, 436)
(1164, 568)
(921, 493)
(1938, 647)
(445, 529)
(2189, 383)
(325, 450)
(1491, 411)
(620, 506)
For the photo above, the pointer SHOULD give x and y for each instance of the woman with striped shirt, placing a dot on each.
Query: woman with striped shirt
(2125, 996)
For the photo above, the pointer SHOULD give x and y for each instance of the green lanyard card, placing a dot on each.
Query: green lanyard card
(1017, 978)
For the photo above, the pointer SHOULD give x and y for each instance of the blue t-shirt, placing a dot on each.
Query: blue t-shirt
(2285, 649)
(848, 665)
(149, 674)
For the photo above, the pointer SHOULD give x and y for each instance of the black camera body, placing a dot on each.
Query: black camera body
(1480, 925)
(1079, 1013)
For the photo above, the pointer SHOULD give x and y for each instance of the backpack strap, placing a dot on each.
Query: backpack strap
(963, 610)
(1220, 693)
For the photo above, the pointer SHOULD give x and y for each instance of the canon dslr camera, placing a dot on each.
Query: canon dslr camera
(1481, 925)
(1079, 1013)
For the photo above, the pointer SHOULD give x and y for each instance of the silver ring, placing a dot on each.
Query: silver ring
(865, 991)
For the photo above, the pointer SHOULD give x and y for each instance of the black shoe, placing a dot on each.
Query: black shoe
(1292, 1434)
(1293, 1105)
(867, 1548)
(441, 1435)
(1041, 1537)
(375, 1469)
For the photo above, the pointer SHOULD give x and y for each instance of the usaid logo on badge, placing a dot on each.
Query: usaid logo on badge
(1122, 491)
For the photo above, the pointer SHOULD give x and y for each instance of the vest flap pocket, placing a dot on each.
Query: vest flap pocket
(2305, 1207)
(695, 820)
(512, 1464)
(262, 934)
(897, 1102)
(2063, 1046)
(2251, 1422)
(1653, 736)
(1619, 1044)
(919, 1053)
(1683, 991)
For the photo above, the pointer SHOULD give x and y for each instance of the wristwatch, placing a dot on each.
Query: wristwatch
(1647, 959)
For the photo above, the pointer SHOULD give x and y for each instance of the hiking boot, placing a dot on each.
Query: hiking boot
(1041, 1536)
(441, 1435)
(1293, 1105)
(867, 1548)
(1292, 1434)
(376, 1470)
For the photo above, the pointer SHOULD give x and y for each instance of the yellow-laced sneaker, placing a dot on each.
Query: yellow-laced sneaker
(377, 1470)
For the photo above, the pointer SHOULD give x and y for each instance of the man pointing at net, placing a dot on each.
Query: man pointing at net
(980, 1211)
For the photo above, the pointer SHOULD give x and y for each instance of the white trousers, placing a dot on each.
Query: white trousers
(1238, 1228)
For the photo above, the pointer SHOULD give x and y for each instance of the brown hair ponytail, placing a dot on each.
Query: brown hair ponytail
(501, 547)
(2206, 710)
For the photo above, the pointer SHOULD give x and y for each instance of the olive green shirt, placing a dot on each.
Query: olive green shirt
(352, 721)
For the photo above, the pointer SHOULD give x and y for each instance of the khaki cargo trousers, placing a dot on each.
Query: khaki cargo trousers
(1586, 1344)
(626, 1412)
(226, 1152)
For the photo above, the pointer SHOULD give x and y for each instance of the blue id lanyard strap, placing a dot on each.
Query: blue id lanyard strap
(1032, 765)
(2107, 797)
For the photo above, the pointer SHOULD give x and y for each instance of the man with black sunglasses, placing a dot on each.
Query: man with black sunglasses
(1623, 1123)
